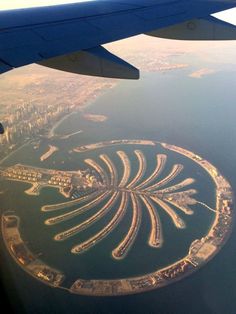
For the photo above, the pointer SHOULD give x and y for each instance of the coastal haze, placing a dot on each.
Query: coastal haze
(184, 98)
(26, 110)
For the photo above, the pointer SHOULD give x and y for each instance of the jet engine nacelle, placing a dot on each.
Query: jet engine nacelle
(1, 129)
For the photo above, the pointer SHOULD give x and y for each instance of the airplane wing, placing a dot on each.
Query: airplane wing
(70, 37)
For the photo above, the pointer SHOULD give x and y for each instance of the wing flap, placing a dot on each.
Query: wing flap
(96, 62)
(4, 67)
(198, 29)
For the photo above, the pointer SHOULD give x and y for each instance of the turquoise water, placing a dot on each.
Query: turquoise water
(195, 114)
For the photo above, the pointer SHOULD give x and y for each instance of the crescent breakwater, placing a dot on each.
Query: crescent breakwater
(27, 260)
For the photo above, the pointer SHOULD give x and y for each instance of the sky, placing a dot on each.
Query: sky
(229, 15)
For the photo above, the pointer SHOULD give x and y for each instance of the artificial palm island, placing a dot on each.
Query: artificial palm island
(103, 188)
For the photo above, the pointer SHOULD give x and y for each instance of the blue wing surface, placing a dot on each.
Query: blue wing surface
(34, 35)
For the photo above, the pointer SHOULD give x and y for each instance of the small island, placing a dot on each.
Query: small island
(52, 149)
(95, 117)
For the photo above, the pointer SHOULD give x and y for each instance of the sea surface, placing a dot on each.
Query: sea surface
(197, 114)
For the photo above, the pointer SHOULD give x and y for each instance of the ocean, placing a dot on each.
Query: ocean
(196, 114)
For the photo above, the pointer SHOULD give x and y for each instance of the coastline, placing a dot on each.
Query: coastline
(58, 123)
(88, 102)
(15, 151)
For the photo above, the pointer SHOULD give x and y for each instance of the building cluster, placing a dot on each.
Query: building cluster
(28, 121)
(224, 216)
(68, 182)
(135, 284)
(176, 270)
(60, 180)
(48, 275)
(224, 219)
(21, 253)
(142, 283)
(22, 173)
(23, 256)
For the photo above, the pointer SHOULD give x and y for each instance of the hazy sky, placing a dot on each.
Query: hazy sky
(229, 15)
(12, 4)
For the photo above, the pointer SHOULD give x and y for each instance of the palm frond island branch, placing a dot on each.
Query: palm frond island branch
(105, 190)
